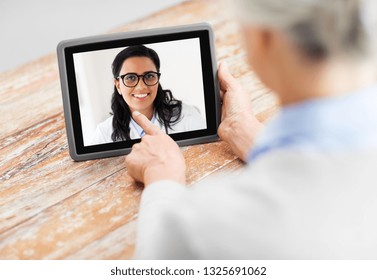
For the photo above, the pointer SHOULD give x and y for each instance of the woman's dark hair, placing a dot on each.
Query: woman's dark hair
(168, 108)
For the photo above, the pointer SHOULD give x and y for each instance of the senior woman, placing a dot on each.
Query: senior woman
(309, 188)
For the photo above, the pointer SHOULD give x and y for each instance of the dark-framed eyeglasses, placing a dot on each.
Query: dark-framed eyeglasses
(132, 79)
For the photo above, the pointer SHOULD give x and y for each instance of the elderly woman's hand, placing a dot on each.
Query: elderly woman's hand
(157, 157)
(238, 125)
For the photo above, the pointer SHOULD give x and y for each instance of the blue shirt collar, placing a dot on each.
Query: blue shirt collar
(139, 130)
(334, 124)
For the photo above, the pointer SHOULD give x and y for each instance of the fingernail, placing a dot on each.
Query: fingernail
(136, 113)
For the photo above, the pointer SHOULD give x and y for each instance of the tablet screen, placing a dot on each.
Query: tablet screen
(168, 77)
(162, 80)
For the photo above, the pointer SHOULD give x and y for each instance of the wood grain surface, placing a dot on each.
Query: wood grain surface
(54, 208)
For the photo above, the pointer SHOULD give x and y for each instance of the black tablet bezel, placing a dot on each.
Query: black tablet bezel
(67, 49)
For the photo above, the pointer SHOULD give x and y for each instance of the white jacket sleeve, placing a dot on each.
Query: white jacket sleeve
(160, 234)
(284, 206)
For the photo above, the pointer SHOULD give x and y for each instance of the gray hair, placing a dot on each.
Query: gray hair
(320, 28)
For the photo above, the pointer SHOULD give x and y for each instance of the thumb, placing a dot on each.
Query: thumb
(145, 124)
(226, 79)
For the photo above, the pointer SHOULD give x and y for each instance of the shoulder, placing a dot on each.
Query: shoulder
(106, 124)
(283, 198)
(189, 110)
(103, 132)
(106, 127)
(190, 119)
(293, 186)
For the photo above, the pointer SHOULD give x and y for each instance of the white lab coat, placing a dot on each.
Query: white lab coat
(190, 120)
(285, 205)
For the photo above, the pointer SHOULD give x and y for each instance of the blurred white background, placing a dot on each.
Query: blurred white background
(30, 29)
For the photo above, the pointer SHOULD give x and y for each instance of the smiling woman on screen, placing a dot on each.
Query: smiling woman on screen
(136, 72)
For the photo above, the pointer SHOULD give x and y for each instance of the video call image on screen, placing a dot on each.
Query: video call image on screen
(161, 80)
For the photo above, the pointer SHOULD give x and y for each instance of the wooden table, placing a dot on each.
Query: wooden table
(54, 208)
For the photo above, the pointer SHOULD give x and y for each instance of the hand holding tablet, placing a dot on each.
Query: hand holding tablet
(169, 75)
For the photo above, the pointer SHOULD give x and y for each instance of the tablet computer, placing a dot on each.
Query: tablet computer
(168, 74)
